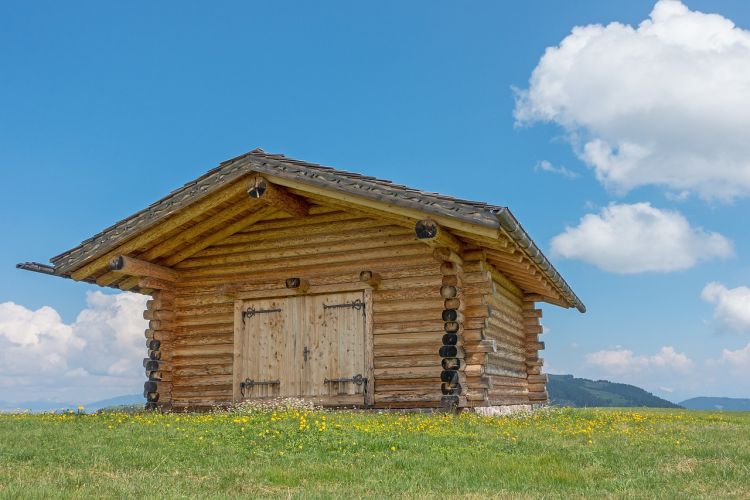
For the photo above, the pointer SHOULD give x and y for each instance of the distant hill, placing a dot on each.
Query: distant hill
(566, 390)
(46, 406)
(706, 403)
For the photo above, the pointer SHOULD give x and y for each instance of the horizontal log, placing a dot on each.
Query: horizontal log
(401, 397)
(203, 349)
(508, 381)
(305, 236)
(270, 271)
(409, 326)
(406, 361)
(301, 253)
(155, 284)
(422, 372)
(535, 346)
(404, 316)
(189, 371)
(305, 265)
(203, 360)
(407, 293)
(427, 338)
(415, 304)
(487, 345)
(155, 304)
(160, 314)
(538, 396)
(198, 340)
(396, 350)
(537, 379)
(135, 267)
(158, 334)
(534, 329)
(203, 380)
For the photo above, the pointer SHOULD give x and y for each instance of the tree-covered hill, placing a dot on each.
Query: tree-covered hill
(708, 403)
(566, 390)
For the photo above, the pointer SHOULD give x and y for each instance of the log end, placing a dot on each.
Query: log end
(426, 229)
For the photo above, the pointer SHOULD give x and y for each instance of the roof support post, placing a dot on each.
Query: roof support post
(137, 267)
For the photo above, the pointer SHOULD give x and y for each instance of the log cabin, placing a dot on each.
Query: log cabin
(271, 277)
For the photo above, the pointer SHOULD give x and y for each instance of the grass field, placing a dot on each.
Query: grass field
(301, 453)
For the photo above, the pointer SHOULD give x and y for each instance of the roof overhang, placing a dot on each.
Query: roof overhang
(483, 220)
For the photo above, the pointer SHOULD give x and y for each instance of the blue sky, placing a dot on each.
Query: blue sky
(107, 107)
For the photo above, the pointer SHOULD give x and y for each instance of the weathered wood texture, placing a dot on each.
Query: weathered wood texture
(444, 322)
(532, 329)
(160, 345)
(324, 248)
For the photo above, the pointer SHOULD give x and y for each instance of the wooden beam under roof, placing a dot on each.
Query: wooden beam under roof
(152, 234)
(131, 266)
(428, 231)
(219, 235)
(278, 197)
(193, 233)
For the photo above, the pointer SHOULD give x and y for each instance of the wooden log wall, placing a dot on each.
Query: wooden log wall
(452, 377)
(327, 247)
(494, 343)
(532, 329)
(506, 365)
(159, 341)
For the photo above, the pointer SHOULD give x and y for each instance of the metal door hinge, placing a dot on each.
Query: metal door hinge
(357, 379)
(357, 305)
(249, 384)
(251, 311)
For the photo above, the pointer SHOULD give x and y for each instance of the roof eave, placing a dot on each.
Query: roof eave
(518, 234)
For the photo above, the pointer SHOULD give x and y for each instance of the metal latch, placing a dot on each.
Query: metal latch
(355, 304)
(249, 384)
(251, 311)
(357, 379)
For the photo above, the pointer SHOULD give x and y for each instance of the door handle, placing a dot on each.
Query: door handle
(305, 353)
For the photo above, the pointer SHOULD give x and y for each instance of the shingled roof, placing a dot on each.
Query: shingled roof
(472, 212)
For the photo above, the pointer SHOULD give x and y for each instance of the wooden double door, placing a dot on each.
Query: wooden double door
(310, 346)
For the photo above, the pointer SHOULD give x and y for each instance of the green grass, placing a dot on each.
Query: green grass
(552, 454)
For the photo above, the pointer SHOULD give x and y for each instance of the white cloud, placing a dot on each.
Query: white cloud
(637, 238)
(738, 362)
(664, 103)
(731, 306)
(546, 166)
(620, 361)
(98, 355)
